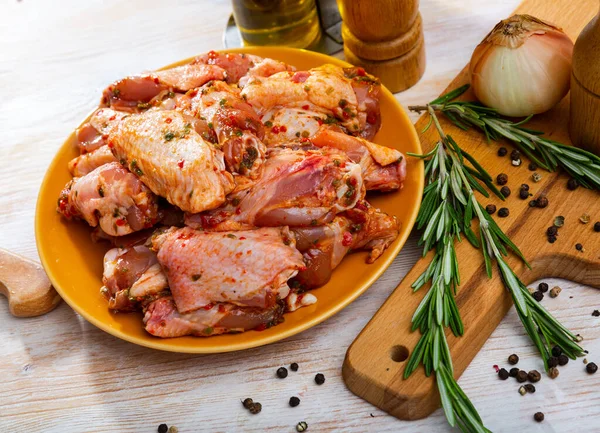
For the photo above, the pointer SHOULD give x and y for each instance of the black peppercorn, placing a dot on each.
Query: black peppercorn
(591, 367)
(521, 376)
(533, 166)
(163, 428)
(534, 376)
(538, 296)
(515, 154)
(301, 426)
(513, 359)
(294, 401)
(533, 203)
(553, 372)
(524, 186)
(596, 313)
(282, 372)
(529, 388)
(542, 201)
(563, 359)
(513, 371)
(556, 351)
(503, 212)
(294, 366)
(503, 374)
(502, 151)
(523, 194)
(505, 191)
(551, 239)
(502, 179)
(543, 287)
(579, 247)
(255, 408)
(597, 226)
(572, 184)
(319, 379)
(552, 231)
(552, 361)
(490, 208)
(247, 403)
(539, 416)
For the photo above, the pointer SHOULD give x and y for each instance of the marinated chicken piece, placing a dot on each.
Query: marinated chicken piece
(298, 188)
(88, 138)
(233, 122)
(112, 197)
(126, 241)
(246, 268)
(171, 158)
(92, 135)
(131, 93)
(383, 168)
(162, 319)
(298, 300)
(290, 126)
(83, 164)
(367, 89)
(326, 89)
(241, 67)
(363, 227)
(132, 276)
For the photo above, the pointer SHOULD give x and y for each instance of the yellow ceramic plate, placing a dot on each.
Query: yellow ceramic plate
(74, 263)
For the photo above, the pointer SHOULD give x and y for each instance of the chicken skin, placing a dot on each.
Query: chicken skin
(172, 159)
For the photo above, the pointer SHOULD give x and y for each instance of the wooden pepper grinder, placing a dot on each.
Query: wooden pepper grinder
(386, 38)
(584, 123)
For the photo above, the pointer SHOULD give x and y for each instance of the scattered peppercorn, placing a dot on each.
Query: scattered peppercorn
(247, 403)
(503, 374)
(531, 290)
(552, 231)
(301, 426)
(502, 179)
(578, 247)
(255, 408)
(555, 291)
(596, 313)
(591, 367)
(559, 221)
(579, 338)
(538, 416)
(521, 376)
(553, 361)
(282, 372)
(491, 209)
(294, 366)
(543, 287)
(536, 177)
(533, 203)
(572, 184)
(163, 428)
(516, 162)
(597, 226)
(534, 376)
(542, 201)
(529, 388)
(513, 372)
(523, 194)
(505, 191)
(563, 359)
(533, 166)
(522, 390)
(294, 401)
(503, 212)
(515, 154)
(538, 296)
(551, 239)
(553, 373)
(319, 379)
(584, 218)
(502, 151)
(556, 351)
(513, 359)
(173, 429)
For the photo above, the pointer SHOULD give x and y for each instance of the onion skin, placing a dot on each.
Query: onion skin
(522, 67)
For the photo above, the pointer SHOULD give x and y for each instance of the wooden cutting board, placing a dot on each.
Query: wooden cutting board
(375, 361)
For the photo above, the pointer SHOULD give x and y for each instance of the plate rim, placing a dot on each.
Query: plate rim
(267, 339)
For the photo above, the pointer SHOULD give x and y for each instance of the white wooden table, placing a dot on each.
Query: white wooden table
(59, 373)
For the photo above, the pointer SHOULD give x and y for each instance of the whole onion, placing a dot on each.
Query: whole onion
(522, 67)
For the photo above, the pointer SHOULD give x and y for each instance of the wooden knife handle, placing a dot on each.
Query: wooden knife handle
(26, 286)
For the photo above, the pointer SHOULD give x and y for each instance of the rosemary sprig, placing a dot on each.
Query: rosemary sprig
(548, 154)
(448, 208)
